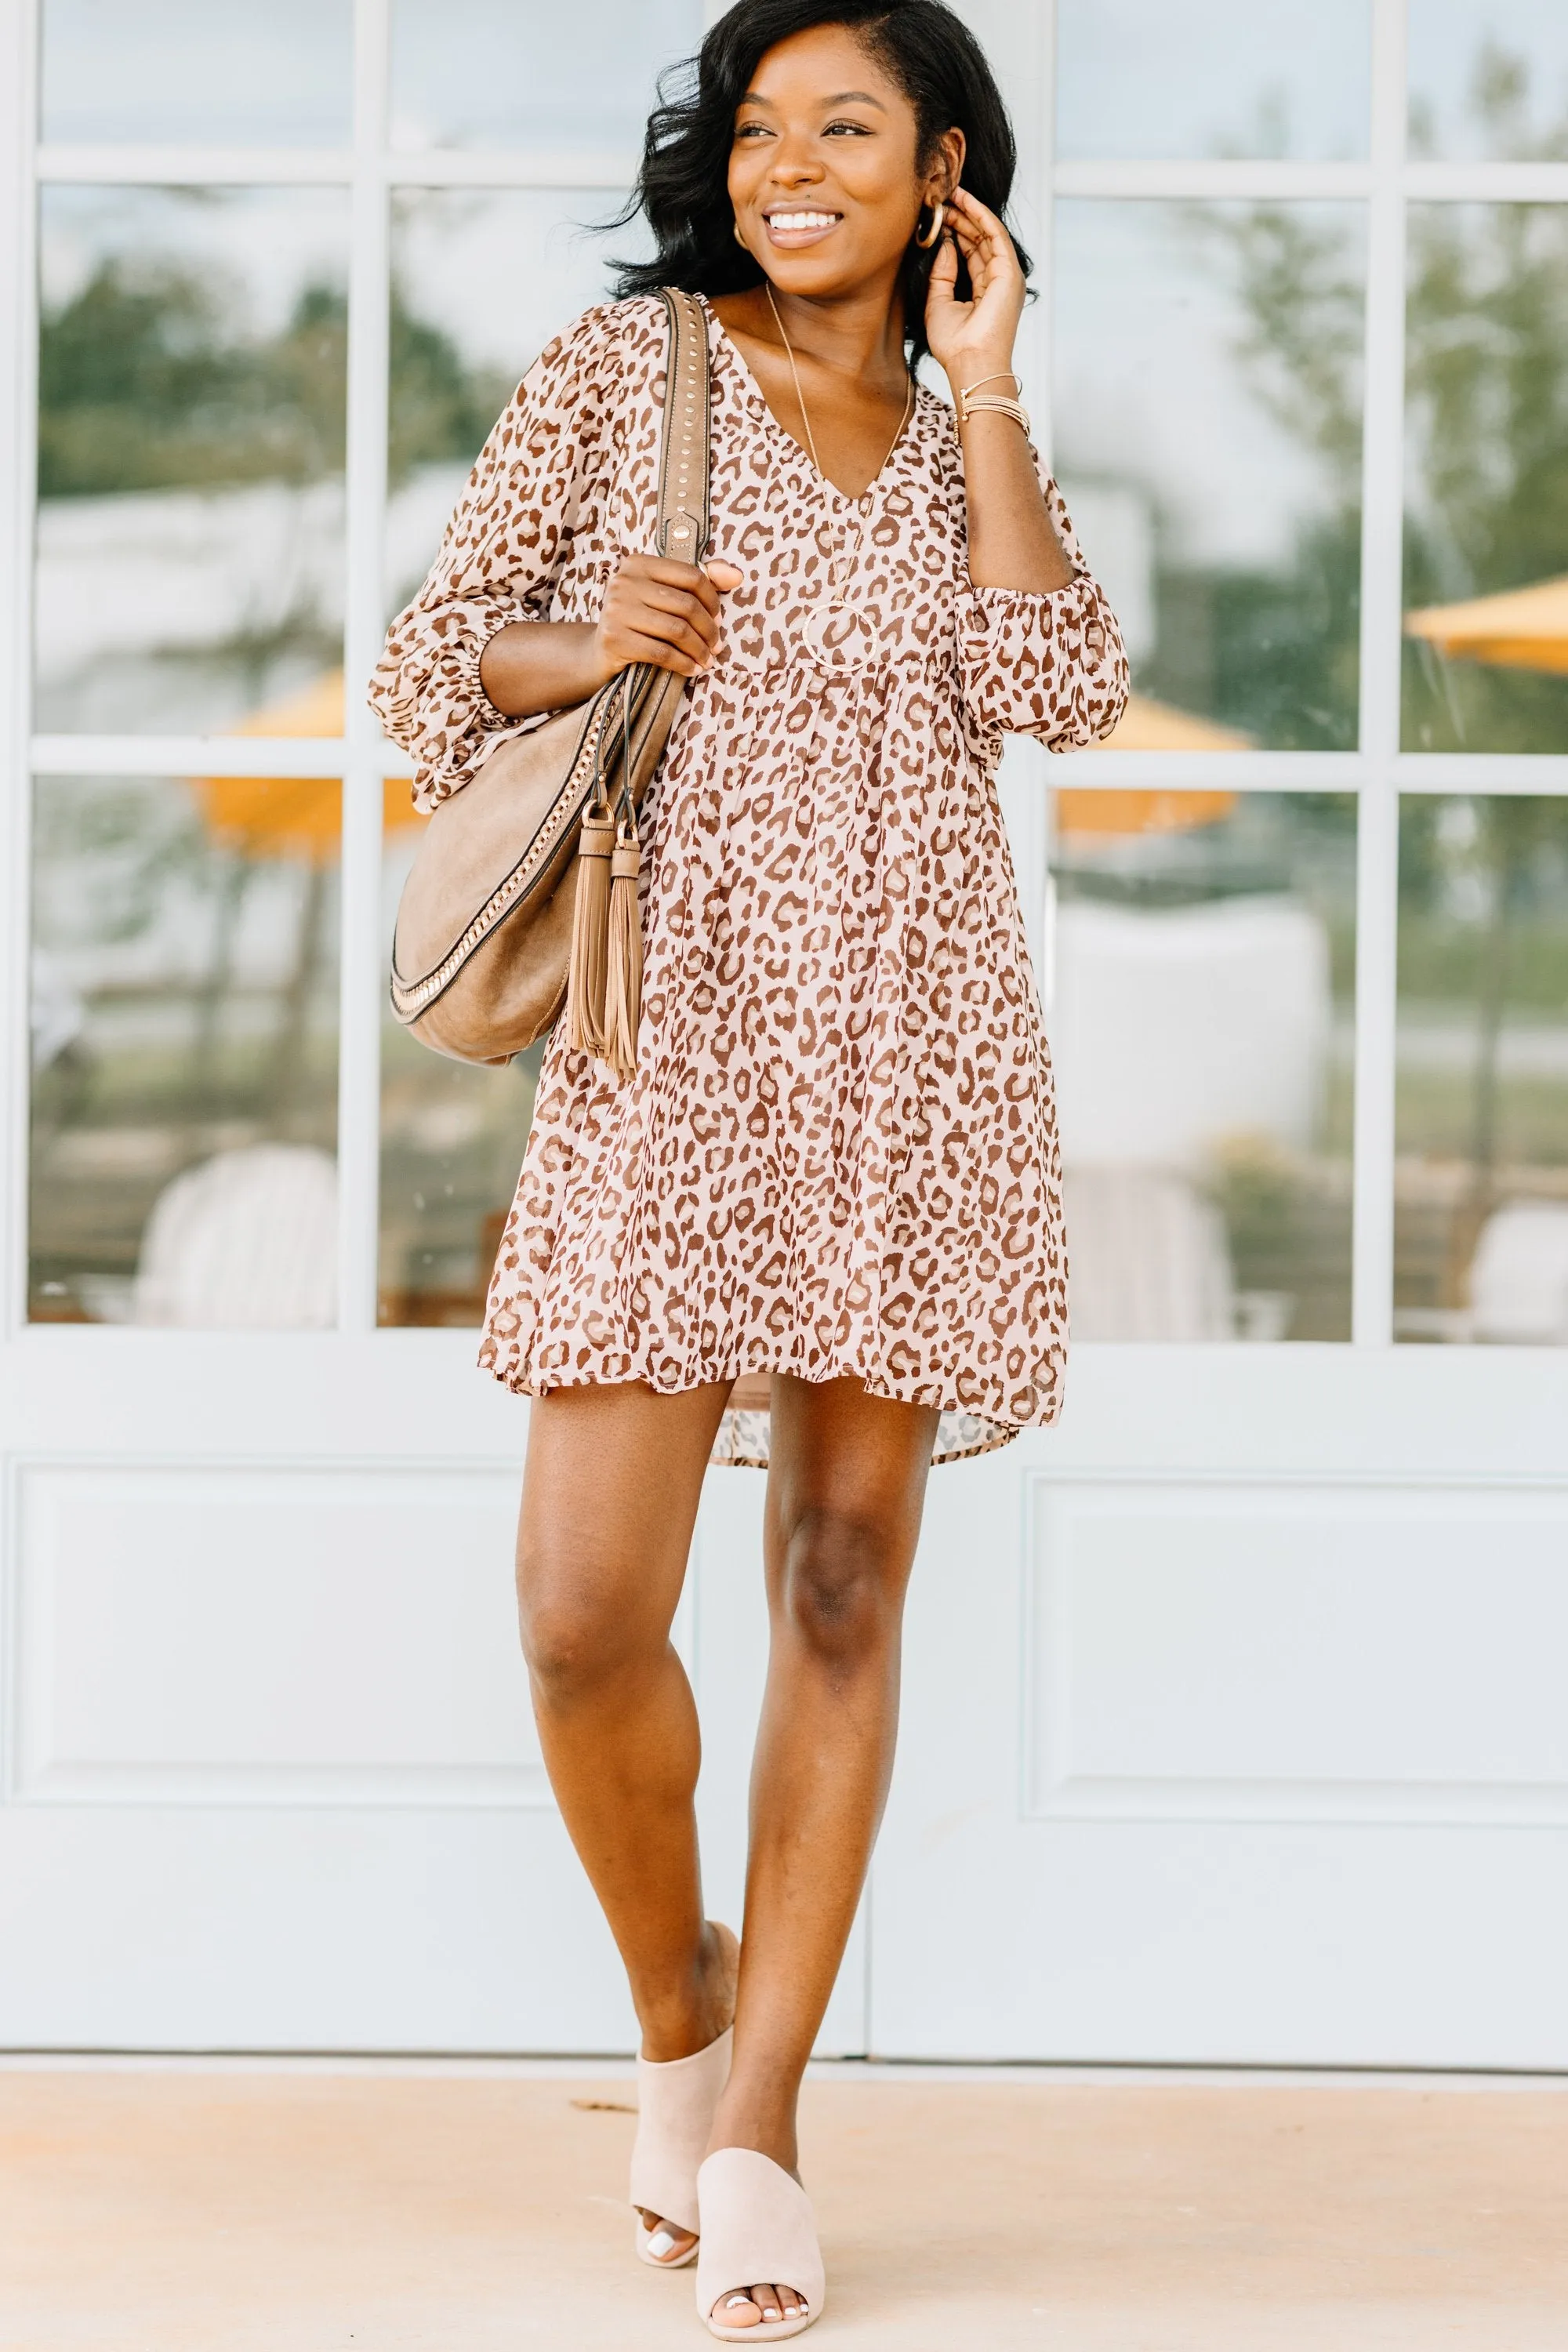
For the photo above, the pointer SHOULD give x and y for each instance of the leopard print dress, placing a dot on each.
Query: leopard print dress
(839, 1154)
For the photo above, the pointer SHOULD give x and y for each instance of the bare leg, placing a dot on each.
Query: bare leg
(609, 1499)
(845, 1496)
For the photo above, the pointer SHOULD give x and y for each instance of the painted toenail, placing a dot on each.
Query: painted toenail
(660, 2244)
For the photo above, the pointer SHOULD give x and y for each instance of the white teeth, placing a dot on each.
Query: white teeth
(801, 220)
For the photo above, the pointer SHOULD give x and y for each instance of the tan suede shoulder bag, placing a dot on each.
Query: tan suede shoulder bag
(522, 899)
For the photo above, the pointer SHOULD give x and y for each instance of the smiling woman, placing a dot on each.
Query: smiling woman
(937, 70)
(830, 1167)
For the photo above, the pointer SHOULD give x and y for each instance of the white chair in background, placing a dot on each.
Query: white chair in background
(1147, 1257)
(1518, 1276)
(246, 1241)
(1174, 1028)
(1174, 1032)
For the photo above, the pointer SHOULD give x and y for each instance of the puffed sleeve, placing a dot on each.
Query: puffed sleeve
(504, 549)
(1051, 665)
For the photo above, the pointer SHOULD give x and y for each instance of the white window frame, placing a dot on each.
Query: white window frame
(1377, 772)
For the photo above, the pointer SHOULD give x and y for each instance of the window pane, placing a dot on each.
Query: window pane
(451, 1145)
(524, 73)
(1212, 78)
(198, 72)
(1486, 549)
(1208, 437)
(1202, 1029)
(184, 1051)
(1488, 77)
(190, 460)
(467, 323)
(1481, 1199)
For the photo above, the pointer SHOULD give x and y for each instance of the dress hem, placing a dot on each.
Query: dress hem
(999, 1433)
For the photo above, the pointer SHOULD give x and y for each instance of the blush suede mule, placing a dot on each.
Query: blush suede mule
(757, 2226)
(676, 2106)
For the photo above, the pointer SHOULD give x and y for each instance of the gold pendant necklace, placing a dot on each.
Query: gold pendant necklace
(836, 585)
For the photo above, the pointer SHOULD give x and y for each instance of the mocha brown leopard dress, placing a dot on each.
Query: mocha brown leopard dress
(839, 1154)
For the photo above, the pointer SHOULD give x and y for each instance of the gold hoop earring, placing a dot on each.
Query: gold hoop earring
(938, 214)
(741, 240)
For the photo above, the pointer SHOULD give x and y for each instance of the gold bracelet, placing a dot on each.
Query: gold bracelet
(993, 404)
(1009, 373)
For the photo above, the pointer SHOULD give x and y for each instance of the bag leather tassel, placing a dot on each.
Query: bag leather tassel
(622, 987)
(587, 1031)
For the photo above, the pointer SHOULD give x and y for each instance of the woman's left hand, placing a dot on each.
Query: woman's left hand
(974, 338)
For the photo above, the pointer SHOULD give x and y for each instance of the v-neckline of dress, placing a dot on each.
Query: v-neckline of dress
(753, 392)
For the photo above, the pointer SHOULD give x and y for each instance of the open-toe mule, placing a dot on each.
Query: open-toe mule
(757, 2227)
(676, 2106)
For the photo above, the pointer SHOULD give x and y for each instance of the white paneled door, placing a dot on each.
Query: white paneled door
(1234, 1725)
(1260, 1745)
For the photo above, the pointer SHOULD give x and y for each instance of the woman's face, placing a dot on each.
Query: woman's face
(823, 170)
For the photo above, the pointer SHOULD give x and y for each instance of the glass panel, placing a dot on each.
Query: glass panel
(1481, 1188)
(1212, 78)
(1203, 1029)
(467, 323)
(1488, 77)
(451, 1145)
(184, 1052)
(521, 73)
(1208, 437)
(1485, 543)
(191, 423)
(198, 72)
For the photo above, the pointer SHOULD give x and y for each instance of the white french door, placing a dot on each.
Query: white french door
(1233, 1727)
(269, 1774)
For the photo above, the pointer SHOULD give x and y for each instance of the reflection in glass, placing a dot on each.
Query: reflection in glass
(1140, 78)
(451, 1145)
(1488, 77)
(202, 73)
(1481, 1133)
(467, 323)
(184, 1051)
(1208, 437)
(530, 74)
(1202, 1024)
(191, 425)
(1485, 543)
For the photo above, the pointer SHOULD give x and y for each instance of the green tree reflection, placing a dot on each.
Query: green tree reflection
(1487, 381)
(147, 382)
(1274, 651)
(1482, 880)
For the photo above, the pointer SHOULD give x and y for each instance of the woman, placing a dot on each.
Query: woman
(836, 1165)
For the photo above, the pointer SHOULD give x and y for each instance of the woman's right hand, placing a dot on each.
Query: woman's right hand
(655, 611)
(661, 611)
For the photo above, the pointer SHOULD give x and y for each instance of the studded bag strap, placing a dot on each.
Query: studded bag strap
(684, 460)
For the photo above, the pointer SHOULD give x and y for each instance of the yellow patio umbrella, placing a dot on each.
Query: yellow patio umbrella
(272, 816)
(1147, 725)
(1523, 629)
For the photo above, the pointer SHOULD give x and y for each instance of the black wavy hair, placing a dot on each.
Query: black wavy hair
(682, 188)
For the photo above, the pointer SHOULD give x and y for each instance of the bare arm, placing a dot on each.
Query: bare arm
(1011, 541)
(655, 611)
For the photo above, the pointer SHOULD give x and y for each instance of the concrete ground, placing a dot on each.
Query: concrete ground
(228, 2209)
